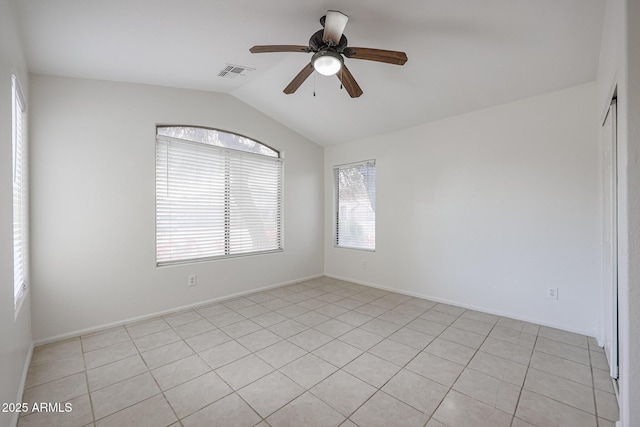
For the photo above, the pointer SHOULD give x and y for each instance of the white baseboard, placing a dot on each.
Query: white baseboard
(264, 288)
(166, 312)
(461, 304)
(23, 381)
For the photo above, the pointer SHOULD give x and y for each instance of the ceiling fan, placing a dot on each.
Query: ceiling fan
(329, 45)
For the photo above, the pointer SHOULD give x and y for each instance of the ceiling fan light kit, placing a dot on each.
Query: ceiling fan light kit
(327, 62)
(329, 46)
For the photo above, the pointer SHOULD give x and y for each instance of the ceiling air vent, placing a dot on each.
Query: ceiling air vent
(234, 71)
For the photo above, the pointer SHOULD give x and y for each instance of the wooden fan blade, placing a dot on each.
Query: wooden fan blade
(349, 83)
(299, 79)
(334, 24)
(379, 55)
(279, 48)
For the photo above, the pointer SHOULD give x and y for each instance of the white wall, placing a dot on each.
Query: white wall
(93, 203)
(487, 210)
(15, 333)
(619, 67)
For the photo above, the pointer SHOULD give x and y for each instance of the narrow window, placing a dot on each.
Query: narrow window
(20, 196)
(355, 214)
(217, 195)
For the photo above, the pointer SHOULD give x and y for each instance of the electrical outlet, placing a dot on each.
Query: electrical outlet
(552, 293)
(364, 263)
(192, 280)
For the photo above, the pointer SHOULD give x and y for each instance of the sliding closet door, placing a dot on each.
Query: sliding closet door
(610, 240)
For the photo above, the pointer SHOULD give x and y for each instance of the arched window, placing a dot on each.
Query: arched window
(218, 194)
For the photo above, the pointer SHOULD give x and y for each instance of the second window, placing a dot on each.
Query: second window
(355, 198)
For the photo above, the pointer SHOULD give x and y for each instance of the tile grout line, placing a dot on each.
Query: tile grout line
(86, 378)
(524, 380)
(162, 392)
(593, 386)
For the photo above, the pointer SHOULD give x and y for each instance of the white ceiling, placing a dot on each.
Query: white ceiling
(463, 55)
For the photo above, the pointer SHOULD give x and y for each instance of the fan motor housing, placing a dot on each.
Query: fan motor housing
(316, 43)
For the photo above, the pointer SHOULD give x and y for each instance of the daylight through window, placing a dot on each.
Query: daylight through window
(20, 196)
(355, 189)
(217, 195)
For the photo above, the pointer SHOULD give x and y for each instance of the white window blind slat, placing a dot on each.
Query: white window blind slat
(212, 201)
(355, 214)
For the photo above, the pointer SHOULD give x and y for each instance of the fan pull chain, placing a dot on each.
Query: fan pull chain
(341, 77)
(314, 84)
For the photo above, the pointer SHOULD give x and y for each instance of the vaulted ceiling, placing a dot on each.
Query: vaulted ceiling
(463, 55)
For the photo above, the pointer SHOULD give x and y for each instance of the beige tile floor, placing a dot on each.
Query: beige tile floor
(324, 353)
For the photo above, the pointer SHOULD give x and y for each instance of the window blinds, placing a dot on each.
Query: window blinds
(355, 188)
(19, 194)
(214, 202)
